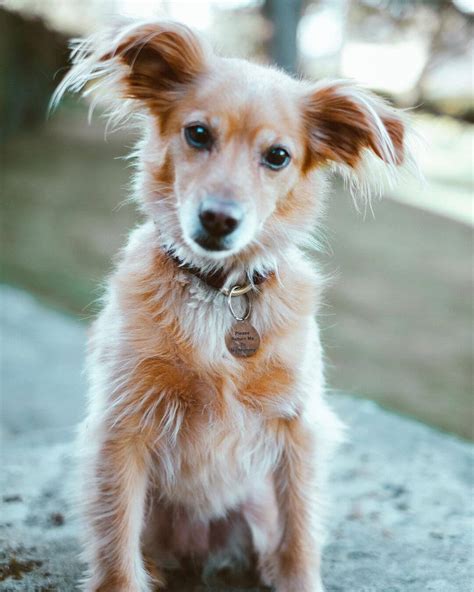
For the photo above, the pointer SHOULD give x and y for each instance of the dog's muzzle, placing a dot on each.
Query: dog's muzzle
(218, 221)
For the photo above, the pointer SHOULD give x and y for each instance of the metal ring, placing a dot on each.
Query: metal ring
(237, 290)
(232, 293)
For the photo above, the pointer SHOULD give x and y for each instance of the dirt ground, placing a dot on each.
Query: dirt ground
(397, 313)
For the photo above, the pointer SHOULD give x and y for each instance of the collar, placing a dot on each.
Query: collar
(218, 279)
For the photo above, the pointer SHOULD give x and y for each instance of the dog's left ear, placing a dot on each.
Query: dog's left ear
(343, 120)
(160, 59)
(150, 63)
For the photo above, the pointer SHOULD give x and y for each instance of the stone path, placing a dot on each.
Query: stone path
(402, 493)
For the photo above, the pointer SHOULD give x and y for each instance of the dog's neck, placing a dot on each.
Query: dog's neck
(218, 278)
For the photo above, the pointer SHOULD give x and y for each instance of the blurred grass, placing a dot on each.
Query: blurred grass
(63, 215)
(397, 315)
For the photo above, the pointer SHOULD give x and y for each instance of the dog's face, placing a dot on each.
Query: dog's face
(233, 149)
(234, 146)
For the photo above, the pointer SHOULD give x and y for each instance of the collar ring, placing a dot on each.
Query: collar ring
(235, 292)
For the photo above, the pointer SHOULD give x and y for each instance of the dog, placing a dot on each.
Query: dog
(208, 435)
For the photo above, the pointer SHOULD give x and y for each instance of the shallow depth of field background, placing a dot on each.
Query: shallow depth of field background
(397, 315)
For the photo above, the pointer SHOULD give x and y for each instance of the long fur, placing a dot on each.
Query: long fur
(187, 450)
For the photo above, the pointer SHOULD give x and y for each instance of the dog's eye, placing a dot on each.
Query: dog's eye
(276, 158)
(198, 136)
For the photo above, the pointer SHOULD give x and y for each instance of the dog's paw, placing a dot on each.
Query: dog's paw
(300, 584)
(113, 584)
(108, 587)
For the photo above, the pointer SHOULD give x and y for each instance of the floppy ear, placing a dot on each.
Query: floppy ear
(148, 62)
(342, 120)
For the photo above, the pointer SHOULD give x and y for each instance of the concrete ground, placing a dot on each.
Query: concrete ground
(401, 517)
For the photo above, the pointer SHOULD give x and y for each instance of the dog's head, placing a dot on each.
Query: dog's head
(232, 151)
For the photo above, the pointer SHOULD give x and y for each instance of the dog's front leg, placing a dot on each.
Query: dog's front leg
(298, 490)
(115, 487)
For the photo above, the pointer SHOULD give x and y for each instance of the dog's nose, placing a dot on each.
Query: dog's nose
(220, 217)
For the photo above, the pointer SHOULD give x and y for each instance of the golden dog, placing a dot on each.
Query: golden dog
(208, 434)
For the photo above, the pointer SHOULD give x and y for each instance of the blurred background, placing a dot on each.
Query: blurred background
(397, 318)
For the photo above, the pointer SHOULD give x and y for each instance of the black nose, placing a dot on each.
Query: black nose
(220, 217)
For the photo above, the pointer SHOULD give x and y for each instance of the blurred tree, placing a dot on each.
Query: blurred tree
(444, 84)
(284, 16)
(30, 55)
(450, 39)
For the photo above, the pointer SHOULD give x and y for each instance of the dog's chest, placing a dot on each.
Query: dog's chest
(217, 460)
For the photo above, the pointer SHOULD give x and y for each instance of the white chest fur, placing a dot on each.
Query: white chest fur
(215, 470)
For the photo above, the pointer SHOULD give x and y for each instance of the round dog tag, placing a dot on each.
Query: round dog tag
(242, 340)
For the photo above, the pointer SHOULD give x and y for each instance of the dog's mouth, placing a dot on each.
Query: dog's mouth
(211, 243)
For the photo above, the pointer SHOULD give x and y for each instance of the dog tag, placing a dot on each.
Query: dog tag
(242, 340)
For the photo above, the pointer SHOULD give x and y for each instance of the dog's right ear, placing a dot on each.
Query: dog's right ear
(150, 63)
